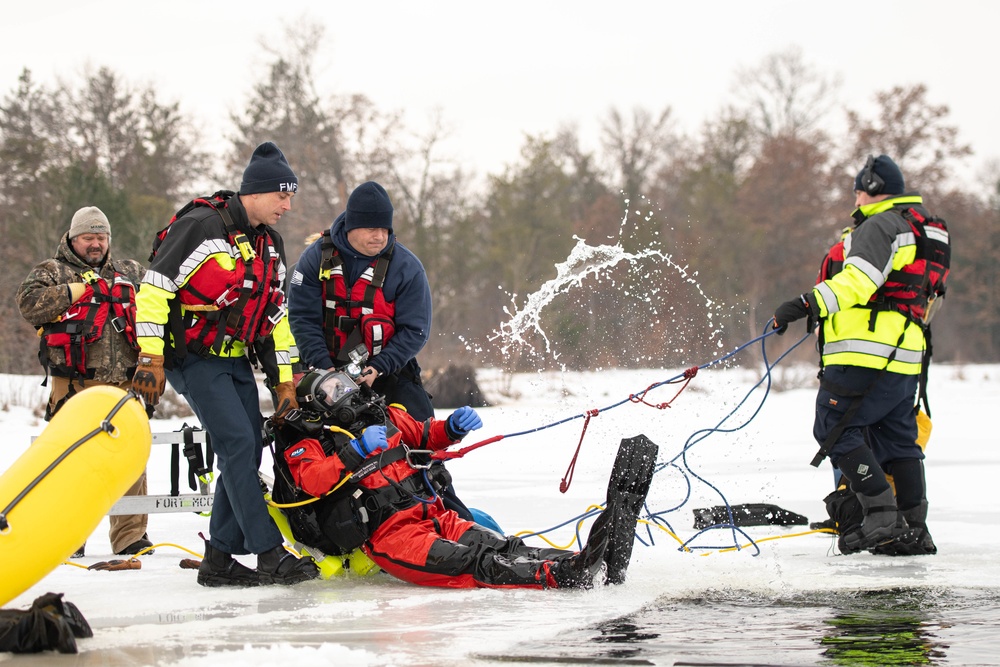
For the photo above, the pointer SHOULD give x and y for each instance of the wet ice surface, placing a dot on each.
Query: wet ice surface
(797, 602)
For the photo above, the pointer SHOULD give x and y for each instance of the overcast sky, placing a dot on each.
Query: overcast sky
(499, 70)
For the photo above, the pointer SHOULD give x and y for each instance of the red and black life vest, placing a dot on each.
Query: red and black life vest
(245, 302)
(84, 321)
(913, 288)
(361, 316)
(833, 263)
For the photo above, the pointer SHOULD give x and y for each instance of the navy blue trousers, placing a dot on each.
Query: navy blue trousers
(222, 392)
(886, 413)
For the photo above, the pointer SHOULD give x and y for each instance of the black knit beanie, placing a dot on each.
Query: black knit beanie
(268, 171)
(368, 206)
(889, 172)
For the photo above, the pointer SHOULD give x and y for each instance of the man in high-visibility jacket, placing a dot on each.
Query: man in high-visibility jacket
(211, 299)
(873, 316)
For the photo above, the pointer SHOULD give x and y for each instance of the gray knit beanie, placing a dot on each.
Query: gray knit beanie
(89, 220)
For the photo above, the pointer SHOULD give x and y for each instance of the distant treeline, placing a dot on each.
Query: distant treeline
(733, 219)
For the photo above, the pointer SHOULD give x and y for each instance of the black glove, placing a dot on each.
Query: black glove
(801, 306)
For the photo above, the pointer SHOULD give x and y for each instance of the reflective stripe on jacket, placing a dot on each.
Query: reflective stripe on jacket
(854, 334)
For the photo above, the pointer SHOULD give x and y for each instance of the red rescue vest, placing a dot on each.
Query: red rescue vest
(833, 263)
(361, 316)
(84, 321)
(911, 289)
(245, 302)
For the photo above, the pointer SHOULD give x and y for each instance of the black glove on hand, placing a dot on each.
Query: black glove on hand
(801, 306)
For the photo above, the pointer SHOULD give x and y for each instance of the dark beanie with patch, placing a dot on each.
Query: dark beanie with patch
(268, 171)
(368, 207)
(889, 172)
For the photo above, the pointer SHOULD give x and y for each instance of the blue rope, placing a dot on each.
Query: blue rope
(693, 439)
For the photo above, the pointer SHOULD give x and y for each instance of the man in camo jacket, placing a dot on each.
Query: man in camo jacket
(82, 301)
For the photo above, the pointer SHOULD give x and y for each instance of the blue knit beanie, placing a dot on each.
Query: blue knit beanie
(268, 171)
(887, 170)
(368, 206)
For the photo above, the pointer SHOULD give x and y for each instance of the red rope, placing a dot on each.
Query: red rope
(444, 455)
(638, 398)
(568, 477)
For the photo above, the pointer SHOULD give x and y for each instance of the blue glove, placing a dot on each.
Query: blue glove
(464, 420)
(372, 440)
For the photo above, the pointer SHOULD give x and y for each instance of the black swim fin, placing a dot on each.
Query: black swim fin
(627, 489)
(747, 514)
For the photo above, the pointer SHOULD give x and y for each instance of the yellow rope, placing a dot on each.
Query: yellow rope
(309, 500)
(773, 537)
(669, 532)
(542, 537)
(139, 553)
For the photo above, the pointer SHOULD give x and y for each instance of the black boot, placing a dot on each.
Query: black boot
(578, 570)
(137, 546)
(279, 566)
(882, 523)
(220, 569)
(916, 541)
(844, 508)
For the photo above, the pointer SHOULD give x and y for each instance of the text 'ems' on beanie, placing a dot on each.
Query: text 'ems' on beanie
(888, 171)
(89, 220)
(268, 171)
(368, 206)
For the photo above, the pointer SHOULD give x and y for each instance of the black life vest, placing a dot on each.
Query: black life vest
(340, 522)
(361, 316)
(85, 320)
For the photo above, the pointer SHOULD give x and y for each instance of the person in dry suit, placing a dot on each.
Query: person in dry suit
(369, 466)
(873, 342)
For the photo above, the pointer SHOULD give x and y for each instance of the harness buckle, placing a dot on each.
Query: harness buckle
(417, 465)
(119, 324)
(345, 323)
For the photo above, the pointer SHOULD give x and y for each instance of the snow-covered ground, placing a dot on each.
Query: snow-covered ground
(158, 615)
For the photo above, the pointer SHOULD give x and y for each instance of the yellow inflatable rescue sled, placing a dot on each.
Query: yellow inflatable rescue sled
(54, 496)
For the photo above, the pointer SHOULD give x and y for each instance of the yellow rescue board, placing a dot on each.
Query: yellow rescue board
(87, 457)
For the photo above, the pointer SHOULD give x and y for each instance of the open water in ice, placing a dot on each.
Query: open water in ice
(903, 626)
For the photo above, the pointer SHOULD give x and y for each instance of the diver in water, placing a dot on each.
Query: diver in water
(369, 466)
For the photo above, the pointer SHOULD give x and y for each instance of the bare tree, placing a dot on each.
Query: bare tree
(103, 142)
(784, 95)
(913, 132)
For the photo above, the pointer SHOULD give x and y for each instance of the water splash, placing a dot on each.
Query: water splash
(587, 261)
